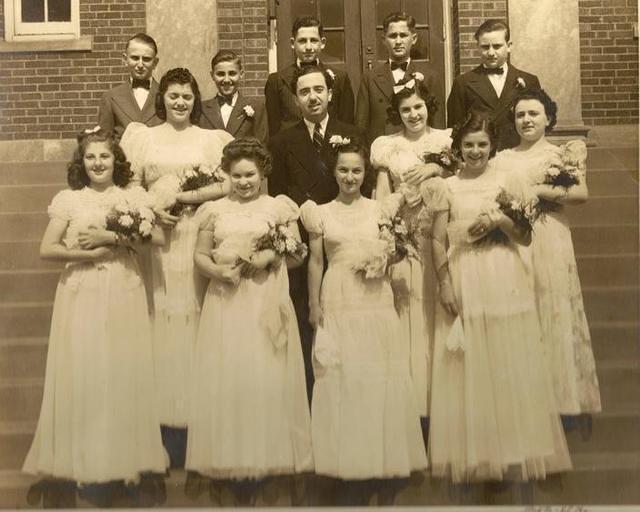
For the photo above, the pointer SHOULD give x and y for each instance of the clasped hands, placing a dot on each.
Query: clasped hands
(416, 175)
(97, 241)
(232, 272)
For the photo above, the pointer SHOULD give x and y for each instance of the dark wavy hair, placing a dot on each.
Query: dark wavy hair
(550, 106)
(307, 70)
(77, 176)
(476, 121)
(248, 148)
(492, 25)
(226, 56)
(178, 76)
(359, 146)
(304, 22)
(420, 89)
(144, 38)
(396, 17)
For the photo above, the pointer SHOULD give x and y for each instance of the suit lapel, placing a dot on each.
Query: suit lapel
(211, 110)
(509, 88)
(127, 102)
(384, 80)
(481, 85)
(237, 117)
(149, 107)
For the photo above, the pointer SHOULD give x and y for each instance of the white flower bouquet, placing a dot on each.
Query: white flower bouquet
(130, 222)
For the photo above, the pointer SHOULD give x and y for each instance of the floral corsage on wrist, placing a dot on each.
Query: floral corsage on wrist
(282, 241)
(130, 223)
(401, 242)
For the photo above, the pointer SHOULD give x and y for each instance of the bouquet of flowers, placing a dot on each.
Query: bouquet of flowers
(131, 223)
(191, 178)
(371, 257)
(400, 239)
(562, 171)
(523, 212)
(444, 158)
(281, 239)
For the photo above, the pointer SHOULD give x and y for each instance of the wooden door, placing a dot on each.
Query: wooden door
(353, 29)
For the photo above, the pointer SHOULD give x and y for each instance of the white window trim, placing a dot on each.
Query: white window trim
(17, 31)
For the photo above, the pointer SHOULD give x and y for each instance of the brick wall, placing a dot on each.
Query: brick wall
(242, 27)
(468, 16)
(609, 61)
(52, 95)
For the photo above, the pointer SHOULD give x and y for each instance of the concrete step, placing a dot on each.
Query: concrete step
(28, 285)
(605, 182)
(610, 433)
(25, 319)
(24, 255)
(15, 441)
(611, 304)
(610, 210)
(619, 387)
(22, 226)
(609, 269)
(33, 173)
(605, 239)
(615, 341)
(23, 357)
(28, 198)
(20, 399)
(612, 158)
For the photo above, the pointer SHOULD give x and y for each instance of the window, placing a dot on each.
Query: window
(41, 20)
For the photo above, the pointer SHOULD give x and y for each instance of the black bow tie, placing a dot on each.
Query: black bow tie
(399, 65)
(492, 71)
(304, 64)
(223, 99)
(136, 83)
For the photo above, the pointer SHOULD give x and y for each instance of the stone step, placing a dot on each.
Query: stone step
(615, 341)
(28, 285)
(20, 399)
(610, 210)
(605, 182)
(613, 158)
(605, 239)
(22, 226)
(610, 433)
(609, 269)
(33, 173)
(28, 198)
(24, 255)
(23, 357)
(619, 387)
(25, 319)
(611, 304)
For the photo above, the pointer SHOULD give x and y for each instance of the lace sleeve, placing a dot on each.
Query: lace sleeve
(310, 216)
(61, 206)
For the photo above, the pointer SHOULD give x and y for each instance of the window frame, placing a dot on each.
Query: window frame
(15, 30)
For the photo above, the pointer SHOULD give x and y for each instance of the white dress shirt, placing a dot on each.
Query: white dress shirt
(225, 110)
(498, 80)
(312, 126)
(397, 73)
(140, 94)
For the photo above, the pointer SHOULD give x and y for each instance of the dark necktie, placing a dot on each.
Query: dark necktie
(223, 99)
(307, 64)
(399, 65)
(492, 71)
(138, 83)
(318, 139)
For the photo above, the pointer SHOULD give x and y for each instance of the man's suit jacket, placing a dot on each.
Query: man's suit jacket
(239, 124)
(282, 110)
(473, 91)
(301, 172)
(119, 108)
(374, 98)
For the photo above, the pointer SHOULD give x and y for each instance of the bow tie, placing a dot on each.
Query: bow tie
(304, 64)
(136, 83)
(492, 71)
(223, 99)
(399, 65)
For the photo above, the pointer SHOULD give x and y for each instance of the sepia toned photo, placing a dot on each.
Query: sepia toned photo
(319, 253)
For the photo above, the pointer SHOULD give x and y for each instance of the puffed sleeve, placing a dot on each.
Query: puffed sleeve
(435, 194)
(134, 143)
(140, 197)
(391, 204)
(311, 218)
(213, 144)
(380, 152)
(576, 154)
(287, 210)
(61, 205)
(206, 215)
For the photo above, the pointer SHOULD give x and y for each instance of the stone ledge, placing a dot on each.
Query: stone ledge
(39, 150)
(82, 44)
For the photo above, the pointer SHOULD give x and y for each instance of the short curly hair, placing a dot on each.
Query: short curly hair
(359, 146)
(179, 76)
(307, 70)
(248, 148)
(476, 121)
(420, 90)
(77, 176)
(550, 106)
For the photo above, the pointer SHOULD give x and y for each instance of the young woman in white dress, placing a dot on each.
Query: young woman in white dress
(250, 415)
(493, 413)
(565, 331)
(398, 159)
(159, 156)
(98, 421)
(365, 420)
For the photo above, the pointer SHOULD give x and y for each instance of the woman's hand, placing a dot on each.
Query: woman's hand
(315, 315)
(165, 219)
(94, 237)
(259, 261)
(101, 253)
(447, 297)
(229, 274)
(420, 173)
(481, 226)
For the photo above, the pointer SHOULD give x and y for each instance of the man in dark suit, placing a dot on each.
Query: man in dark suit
(307, 43)
(376, 88)
(133, 100)
(303, 163)
(492, 86)
(229, 110)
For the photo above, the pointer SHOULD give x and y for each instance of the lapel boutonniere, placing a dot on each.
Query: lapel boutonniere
(520, 83)
(331, 73)
(418, 76)
(248, 111)
(338, 140)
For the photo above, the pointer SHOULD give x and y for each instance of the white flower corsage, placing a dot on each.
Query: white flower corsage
(339, 140)
(248, 111)
(418, 76)
(91, 131)
(331, 73)
(521, 83)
